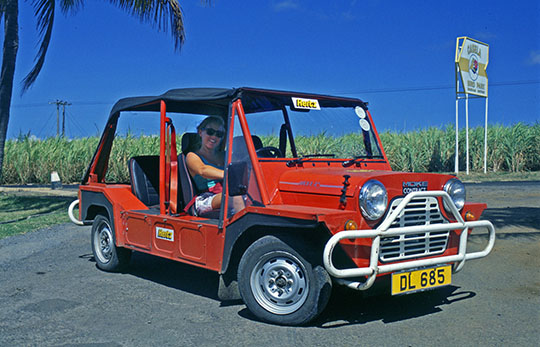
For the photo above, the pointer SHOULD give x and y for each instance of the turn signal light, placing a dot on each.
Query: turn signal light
(469, 216)
(351, 225)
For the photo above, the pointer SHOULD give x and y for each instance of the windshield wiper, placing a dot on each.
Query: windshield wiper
(304, 158)
(355, 160)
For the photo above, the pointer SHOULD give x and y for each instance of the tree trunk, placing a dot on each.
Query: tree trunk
(11, 45)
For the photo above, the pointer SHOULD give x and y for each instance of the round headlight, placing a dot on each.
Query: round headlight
(456, 190)
(373, 200)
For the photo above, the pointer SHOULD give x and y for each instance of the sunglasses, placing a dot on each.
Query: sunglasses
(214, 132)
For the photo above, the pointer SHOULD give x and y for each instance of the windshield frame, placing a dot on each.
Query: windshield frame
(259, 103)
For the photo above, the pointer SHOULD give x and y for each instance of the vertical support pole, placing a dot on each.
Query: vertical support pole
(467, 131)
(57, 118)
(225, 211)
(485, 142)
(162, 130)
(456, 163)
(64, 119)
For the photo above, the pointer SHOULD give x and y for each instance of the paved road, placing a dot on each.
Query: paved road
(52, 294)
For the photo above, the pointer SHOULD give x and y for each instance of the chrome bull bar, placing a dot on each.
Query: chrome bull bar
(384, 230)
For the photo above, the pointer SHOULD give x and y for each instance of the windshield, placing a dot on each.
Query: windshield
(339, 132)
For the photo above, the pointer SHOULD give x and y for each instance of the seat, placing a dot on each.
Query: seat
(240, 151)
(257, 142)
(144, 176)
(186, 186)
(188, 191)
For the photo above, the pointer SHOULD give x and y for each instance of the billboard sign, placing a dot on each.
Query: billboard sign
(471, 60)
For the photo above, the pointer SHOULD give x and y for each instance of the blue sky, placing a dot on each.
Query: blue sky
(396, 55)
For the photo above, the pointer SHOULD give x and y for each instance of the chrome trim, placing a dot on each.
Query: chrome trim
(420, 211)
(385, 230)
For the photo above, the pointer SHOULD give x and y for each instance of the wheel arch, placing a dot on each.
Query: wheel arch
(252, 227)
(93, 204)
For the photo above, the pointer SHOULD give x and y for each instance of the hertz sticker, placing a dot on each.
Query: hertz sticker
(306, 104)
(165, 234)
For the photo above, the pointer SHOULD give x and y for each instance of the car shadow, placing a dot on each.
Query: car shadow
(526, 217)
(171, 274)
(346, 306)
(349, 307)
(174, 274)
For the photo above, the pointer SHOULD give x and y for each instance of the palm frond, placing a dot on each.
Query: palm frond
(2, 9)
(165, 14)
(71, 6)
(44, 11)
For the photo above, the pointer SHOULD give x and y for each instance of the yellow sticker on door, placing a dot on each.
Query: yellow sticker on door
(164, 234)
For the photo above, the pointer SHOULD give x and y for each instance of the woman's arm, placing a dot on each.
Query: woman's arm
(197, 167)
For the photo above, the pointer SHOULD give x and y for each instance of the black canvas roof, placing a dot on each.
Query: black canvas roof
(188, 100)
(216, 100)
(207, 101)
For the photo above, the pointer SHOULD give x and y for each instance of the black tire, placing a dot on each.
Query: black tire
(278, 285)
(108, 257)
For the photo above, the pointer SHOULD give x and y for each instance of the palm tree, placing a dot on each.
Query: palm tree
(163, 13)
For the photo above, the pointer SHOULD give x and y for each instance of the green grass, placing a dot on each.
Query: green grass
(510, 149)
(21, 214)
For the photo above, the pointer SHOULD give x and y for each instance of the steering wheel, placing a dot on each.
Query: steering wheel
(269, 152)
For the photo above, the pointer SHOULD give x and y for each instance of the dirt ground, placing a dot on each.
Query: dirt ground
(52, 294)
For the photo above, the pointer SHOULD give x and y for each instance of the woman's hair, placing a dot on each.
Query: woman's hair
(209, 120)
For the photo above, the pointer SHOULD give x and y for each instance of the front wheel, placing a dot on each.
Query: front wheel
(279, 286)
(108, 257)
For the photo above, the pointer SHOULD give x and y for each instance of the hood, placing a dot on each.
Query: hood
(330, 181)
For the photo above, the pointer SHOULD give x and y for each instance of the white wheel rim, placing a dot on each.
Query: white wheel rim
(103, 242)
(279, 283)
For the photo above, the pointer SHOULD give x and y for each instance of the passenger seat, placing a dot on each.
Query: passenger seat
(144, 176)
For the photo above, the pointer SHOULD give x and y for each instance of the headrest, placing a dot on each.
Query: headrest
(257, 142)
(189, 141)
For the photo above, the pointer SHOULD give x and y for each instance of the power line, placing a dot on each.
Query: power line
(46, 123)
(74, 103)
(365, 91)
(75, 124)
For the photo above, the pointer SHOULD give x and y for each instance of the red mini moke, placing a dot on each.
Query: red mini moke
(320, 204)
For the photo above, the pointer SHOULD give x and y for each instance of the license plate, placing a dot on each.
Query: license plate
(412, 281)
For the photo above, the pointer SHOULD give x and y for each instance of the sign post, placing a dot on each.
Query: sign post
(471, 61)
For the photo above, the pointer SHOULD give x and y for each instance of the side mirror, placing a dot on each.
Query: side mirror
(237, 178)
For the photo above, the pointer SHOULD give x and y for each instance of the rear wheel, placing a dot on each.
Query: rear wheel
(279, 285)
(108, 257)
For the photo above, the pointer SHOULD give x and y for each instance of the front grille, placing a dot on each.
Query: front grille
(420, 211)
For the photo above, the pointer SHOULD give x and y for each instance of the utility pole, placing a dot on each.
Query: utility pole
(59, 103)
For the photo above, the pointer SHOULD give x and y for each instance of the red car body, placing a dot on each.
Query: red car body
(297, 204)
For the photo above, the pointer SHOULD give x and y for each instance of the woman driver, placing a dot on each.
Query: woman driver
(206, 164)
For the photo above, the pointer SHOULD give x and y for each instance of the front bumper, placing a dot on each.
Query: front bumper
(384, 230)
